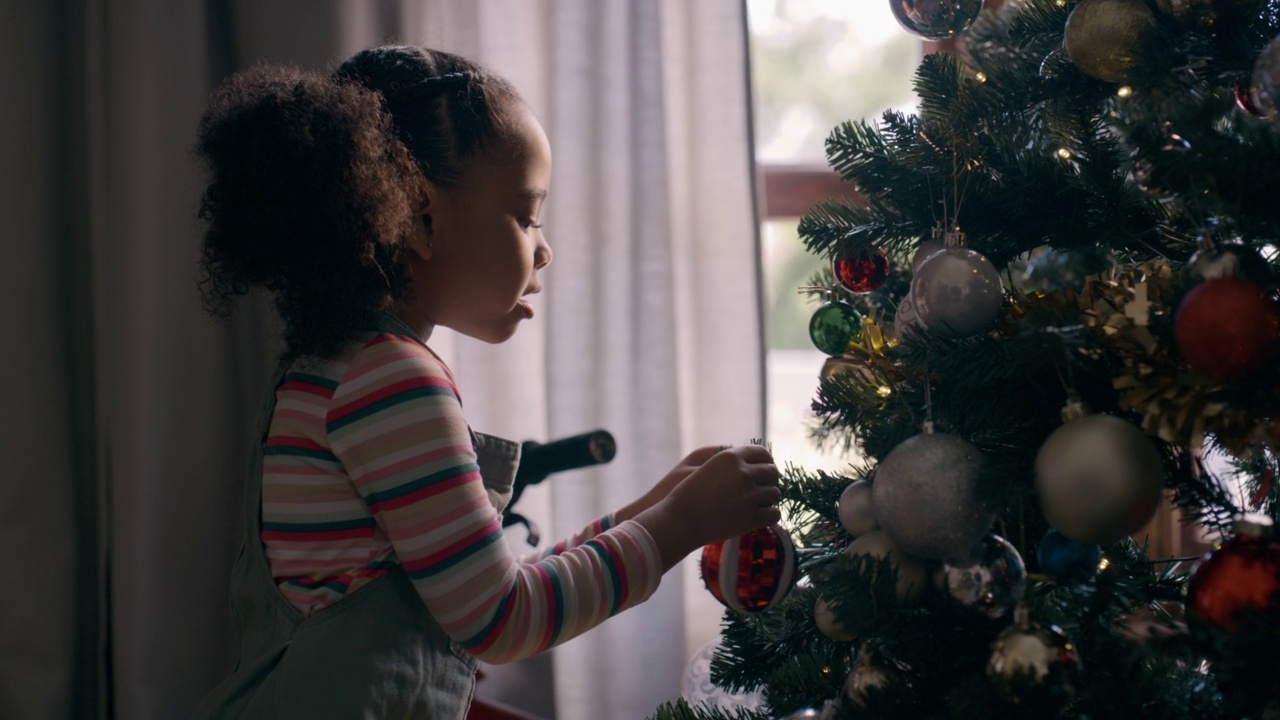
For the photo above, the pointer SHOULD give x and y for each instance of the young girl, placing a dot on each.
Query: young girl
(400, 193)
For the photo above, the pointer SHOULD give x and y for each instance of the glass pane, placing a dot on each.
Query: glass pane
(814, 64)
(792, 362)
(817, 63)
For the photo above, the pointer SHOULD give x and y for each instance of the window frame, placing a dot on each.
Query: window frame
(789, 190)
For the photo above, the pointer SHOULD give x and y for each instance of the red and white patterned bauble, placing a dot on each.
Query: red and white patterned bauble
(752, 572)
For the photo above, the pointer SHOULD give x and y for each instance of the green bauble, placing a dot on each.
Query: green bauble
(834, 326)
(1105, 37)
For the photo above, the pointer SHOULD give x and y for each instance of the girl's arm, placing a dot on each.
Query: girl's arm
(396, 424)
(656, 494)
(594, 528)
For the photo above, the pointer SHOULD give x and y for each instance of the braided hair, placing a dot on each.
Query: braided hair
(315, 180)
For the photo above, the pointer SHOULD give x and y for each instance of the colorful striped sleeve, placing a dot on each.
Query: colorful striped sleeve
(396, 425)
(596, 527)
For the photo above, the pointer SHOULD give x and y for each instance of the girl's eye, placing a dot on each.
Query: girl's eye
(526, 224)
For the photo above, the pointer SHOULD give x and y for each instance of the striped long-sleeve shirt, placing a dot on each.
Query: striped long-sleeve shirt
(369, 463)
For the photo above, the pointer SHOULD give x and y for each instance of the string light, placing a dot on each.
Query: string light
(1124, 91)
(1064, 153)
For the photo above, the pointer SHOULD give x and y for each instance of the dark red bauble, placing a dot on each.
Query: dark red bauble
(752, 572)
(1264, 488)
(1244, 573)
(1244, 101)
(861, 273)
(1227, 329)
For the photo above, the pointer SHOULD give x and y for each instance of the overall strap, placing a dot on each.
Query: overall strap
(253, 478)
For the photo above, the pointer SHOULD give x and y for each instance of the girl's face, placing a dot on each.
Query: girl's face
(480, 246)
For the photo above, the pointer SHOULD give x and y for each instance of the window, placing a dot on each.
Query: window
(814, 64)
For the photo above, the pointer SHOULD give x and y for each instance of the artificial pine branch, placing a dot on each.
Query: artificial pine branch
(1021, 150)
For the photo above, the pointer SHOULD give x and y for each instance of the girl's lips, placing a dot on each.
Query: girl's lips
(525, 308)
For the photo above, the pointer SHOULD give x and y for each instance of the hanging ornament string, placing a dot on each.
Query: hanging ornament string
(924, 493)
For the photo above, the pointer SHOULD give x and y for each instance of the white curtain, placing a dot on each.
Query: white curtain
(126, 409)
(651, 324)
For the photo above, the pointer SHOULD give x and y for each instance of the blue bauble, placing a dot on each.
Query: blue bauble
(1070, 561)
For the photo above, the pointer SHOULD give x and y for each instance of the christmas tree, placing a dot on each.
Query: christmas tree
(1051, 301)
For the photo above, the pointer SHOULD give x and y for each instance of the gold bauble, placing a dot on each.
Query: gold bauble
(869, 671)
(1099, 479)
(827, 623)
(913, 573)
(862, 677)
(1104, 37)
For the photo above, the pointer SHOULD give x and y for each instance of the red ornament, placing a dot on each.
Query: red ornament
(1264, 489)
(1244, 101)
(1227, 329)
(753, 572)
(861, 273)
(1244, 573)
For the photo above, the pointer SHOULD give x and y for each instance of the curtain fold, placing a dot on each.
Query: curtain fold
(127, 410)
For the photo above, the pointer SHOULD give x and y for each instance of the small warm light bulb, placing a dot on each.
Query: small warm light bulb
(980, 77)
(1124, 91)
(1064, 153)
(1104, 564)
(884, 391)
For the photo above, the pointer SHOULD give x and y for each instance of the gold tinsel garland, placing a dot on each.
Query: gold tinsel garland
(1176, 404)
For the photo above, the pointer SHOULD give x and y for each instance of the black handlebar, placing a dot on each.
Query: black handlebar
(538, 460)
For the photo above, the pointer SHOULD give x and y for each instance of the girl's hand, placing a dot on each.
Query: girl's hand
(731, 493)
(655, 494)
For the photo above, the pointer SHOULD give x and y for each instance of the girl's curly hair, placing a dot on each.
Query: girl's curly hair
(315, 180)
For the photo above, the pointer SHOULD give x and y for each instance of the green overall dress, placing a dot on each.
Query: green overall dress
(376, 653)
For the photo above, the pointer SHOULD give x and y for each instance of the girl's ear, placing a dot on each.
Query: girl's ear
(419, 241)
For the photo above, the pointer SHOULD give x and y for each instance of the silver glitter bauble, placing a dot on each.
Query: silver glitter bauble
(936, 19)
(926, 248)
(990, 583)
(854, 509)
(957, 293)
(1026, 656)
(1105, 37)
(827, 624)
(923, 496)
(1099, 478)
(913, 573)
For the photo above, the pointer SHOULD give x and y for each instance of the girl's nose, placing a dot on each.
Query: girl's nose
(542, 253)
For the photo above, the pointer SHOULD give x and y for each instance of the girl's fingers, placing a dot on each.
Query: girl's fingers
(701, 455)
(769, 516)
(764, 474)
(754, 454)
(769, 496)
